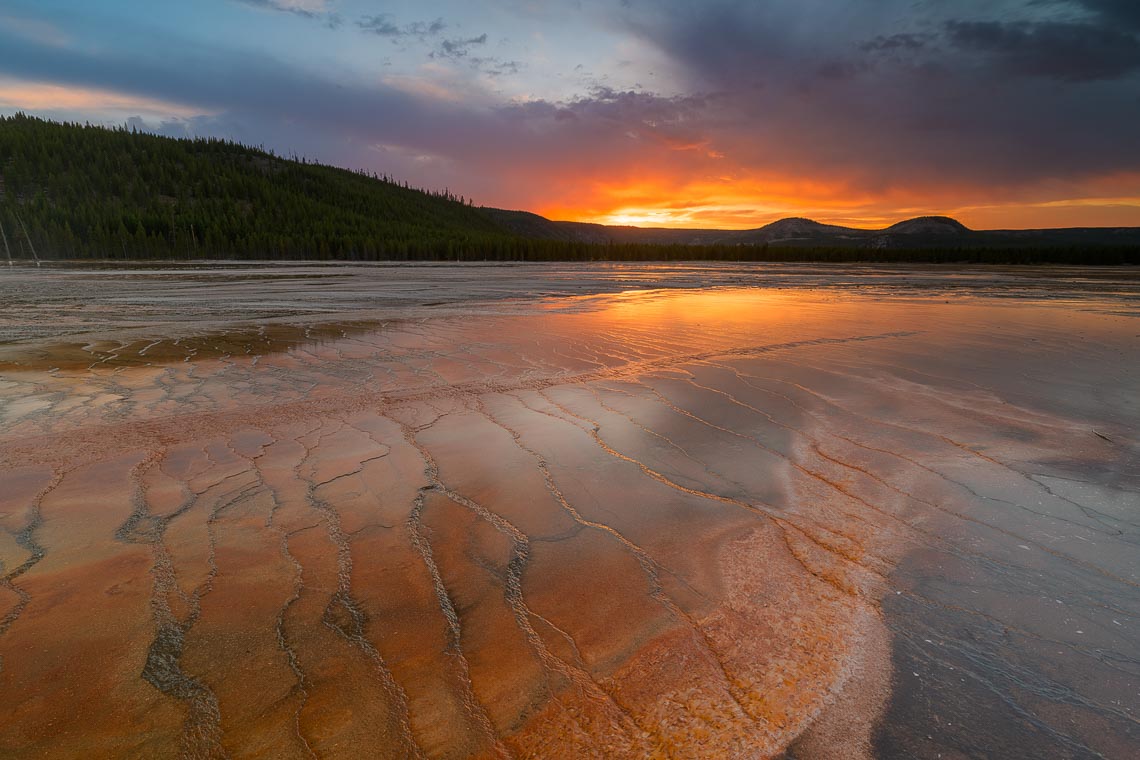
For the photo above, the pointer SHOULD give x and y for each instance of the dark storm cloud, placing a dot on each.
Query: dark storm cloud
(1000, 92)
(1065, 51)
(896, 42)
(1125, 12)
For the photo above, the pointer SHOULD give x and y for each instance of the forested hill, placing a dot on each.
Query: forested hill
(91, 192)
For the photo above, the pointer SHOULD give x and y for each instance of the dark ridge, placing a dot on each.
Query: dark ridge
(928, 225)
(799, 226)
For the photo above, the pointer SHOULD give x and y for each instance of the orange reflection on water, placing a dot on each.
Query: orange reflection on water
(653, 523)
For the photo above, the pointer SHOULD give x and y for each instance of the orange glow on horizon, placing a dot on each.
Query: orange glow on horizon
(750, 213)
(734, 203)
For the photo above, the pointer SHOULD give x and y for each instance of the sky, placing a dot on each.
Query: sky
(680, 113)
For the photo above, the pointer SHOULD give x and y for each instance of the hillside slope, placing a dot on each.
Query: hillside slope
(91, 192)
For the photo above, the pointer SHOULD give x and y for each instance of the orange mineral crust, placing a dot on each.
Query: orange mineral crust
(659, 523)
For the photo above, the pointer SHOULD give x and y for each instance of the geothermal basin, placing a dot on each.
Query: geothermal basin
(595, 510)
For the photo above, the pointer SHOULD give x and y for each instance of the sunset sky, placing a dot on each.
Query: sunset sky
(723, 113)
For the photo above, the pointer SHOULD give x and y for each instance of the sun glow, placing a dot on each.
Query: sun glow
(734, 203)
(640, 218)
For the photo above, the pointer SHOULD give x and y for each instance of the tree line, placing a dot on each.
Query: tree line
(91, 192)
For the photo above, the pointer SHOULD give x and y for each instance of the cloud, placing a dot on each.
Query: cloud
(311, 9)
(51, 98)
(896, 42)
(384, 25)
(209, 78)
(35, 30)
(458, 47)
(381, 25)
(1118, 12)
(426, 28)
(885, 98)
(495, 67)
(307, 8)
(1076, 52)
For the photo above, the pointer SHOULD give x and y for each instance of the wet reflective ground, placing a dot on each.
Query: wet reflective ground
(569, 511)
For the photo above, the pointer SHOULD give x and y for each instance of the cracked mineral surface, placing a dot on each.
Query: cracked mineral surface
(676, 511)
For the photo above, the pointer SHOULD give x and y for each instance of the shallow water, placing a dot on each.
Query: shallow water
(569, 510)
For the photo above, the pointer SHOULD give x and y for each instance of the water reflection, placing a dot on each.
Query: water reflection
(661, 521)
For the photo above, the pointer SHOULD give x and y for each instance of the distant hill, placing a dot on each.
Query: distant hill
(924, 232)
(928, 225)
(71, 191)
